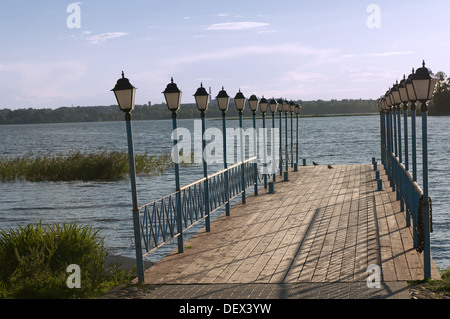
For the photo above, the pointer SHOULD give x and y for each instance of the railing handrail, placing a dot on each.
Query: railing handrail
(159, 223)
(201, 180)
(408, 174)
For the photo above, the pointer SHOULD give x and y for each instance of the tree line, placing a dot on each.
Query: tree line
(160, 111)
(440, 105)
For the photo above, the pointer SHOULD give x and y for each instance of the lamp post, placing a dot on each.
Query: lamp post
(125, 95)
(253, 102)
(405, 99)
(202, 101)
(291, 110)
(413, 99)
(223, 100)
(397, 101)
(297, 112)
(390, 141)
(280, 110)
(286, 110)
(172, 95)
(239, 100)
(424, 84)
(263, 105)
(273, 106)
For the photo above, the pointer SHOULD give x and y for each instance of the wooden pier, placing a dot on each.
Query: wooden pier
(322, 226)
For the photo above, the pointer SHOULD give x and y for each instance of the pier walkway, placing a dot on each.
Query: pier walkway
(314, 238)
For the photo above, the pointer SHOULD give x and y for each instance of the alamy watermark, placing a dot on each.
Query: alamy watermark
(374, 19)
(374, 278)
(74, 279)
(74, 19)
(241, 144)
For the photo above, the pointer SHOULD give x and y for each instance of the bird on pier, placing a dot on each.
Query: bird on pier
(330, 167)
(315, 164)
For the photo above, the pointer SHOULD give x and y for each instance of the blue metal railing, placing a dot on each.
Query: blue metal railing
(158, 221)
(413, 199)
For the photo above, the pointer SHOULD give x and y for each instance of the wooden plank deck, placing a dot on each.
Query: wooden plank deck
(321, 226)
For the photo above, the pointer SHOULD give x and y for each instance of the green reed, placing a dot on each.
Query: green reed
(101, 165)
(34, 261)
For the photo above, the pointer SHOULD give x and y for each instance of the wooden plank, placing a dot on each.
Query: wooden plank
(321, 226)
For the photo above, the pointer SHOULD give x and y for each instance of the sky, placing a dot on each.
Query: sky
(57, 53)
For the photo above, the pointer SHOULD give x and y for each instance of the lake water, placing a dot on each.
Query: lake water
(107, 205)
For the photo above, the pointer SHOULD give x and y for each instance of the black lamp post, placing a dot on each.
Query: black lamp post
(202, 100)
(413, 99)
(273, 106)
(173, 95)
(223, 100)
(424, 83)
(239, 100)
(286, 110)
(297, 110)
(125, 95)
(253, 102)
(280, 110)
(292, 110)
(263, 105)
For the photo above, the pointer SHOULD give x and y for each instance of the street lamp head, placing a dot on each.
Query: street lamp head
(239, 100)
(125, 94)
(298, 108)
(383, 104)
(253, 101)
(403, 91)
(280, 105)
(424, 83)
(223, 100)
(388, 99)
(395, 93)
(291, 106)
(410, 88)
(285, 106)
(173, 96)
(202, 98)
(263, 104)
(273, 106)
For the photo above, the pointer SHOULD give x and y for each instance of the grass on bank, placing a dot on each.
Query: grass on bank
(440, 287)
(101, 165)
(34, 261)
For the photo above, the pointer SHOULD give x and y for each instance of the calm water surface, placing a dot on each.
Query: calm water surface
(107, 205)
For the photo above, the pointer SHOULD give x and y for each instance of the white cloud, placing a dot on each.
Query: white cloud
(233, 26)
(40, 81)
(288, 49)
(389, 54)
(102, 37)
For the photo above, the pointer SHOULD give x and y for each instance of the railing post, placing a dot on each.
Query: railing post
(136, 217)
(426, 207)
(177, 184)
